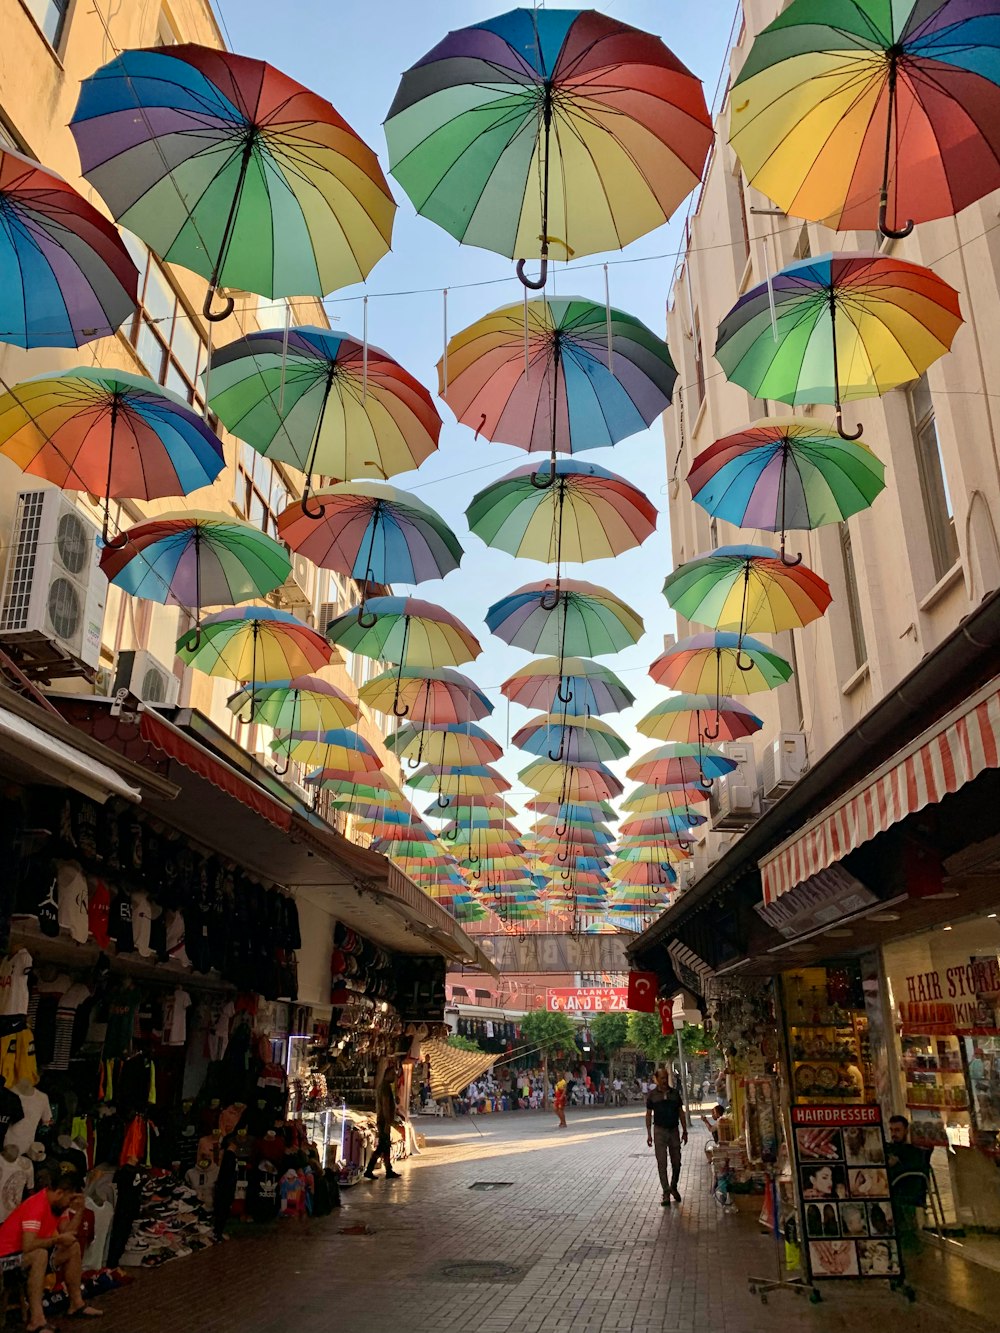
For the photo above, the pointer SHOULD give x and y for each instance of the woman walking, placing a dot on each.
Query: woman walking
(560, 1102)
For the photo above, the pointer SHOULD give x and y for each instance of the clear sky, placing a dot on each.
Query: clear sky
(354, 55)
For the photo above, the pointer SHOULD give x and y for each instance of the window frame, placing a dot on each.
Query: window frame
(852, 595)
(935, 493)
(39, 9)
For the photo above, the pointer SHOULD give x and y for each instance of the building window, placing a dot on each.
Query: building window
(259, 490)
(852, 597)
(938, 509)
(166, 338)
(50, 15)
(744, 224)
(166, 35)
(803, 249)
(699, 361)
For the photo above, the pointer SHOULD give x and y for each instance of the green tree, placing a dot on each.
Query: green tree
(464, 1044)
(610, 1032)
(549, 1032)
(644, 1033)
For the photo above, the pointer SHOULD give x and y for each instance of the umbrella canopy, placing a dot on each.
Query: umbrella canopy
(431, 694)
(548, 128)
(230, 168)
(792, 472)
(372, 532)
(545, 381)
(115, 435)
(662, 826)
(696, 765)
(663, 798)
(586, 513)
(590, 811)
(720, 662)
(572, 683)
(67, 276)
(302, 703)
(254, 643)
(578, 619)
(337, 747)
(455, 781)
(444, 743)
(572, 782)
(575, 739)
(686, 717)
(838, 327)
(195, 559)
(871, 114)
(746, 588)
(324, 402)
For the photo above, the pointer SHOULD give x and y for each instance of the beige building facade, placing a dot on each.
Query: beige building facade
(906, 572)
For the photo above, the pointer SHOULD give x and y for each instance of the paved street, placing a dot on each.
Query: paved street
(579, 1240)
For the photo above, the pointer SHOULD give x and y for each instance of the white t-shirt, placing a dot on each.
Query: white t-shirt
(175, 938)
(617, 1085)
(142, 915)
(218, 1036)
(74, 900)
(175, 1018)
(97, 1250)
(37, 1111)
(14, 983)
(15, 1178)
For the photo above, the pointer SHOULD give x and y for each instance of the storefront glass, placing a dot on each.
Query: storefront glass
(829, 1038)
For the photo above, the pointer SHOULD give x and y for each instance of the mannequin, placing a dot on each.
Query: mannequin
(35, 1110)
(16, 1178)
(202, 1178)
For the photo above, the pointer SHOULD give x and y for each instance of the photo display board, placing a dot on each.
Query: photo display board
(848, 1228)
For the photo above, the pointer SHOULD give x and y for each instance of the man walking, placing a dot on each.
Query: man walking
(385, 1114)
(666, 1131)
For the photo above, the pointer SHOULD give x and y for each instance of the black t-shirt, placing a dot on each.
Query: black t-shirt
(11, 1111)
(666, 1107)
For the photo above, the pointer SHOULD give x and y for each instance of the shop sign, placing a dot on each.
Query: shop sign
(952, 999)
(842, 1178)
(586, 1000)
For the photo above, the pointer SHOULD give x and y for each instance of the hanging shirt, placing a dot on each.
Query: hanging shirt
(16, 1178)
(96, 1255)
(35, 1110)
(122, 1007)
(175, 1018)
(218, 1035)
(17, 1058)
(121, 923)
(73, 900)
(142, 918)
(99, 913)
(10, 1111)
(175, 938)
(14, 983)
(66, 1015)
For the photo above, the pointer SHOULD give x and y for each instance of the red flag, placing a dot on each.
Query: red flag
(666, 1011)
(642, 988)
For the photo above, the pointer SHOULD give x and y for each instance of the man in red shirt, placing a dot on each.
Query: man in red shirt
(36, 1230)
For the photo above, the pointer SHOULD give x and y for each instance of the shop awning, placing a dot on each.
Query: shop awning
(689, 968)
(942, 759)
(452, 1070)
(36, 749)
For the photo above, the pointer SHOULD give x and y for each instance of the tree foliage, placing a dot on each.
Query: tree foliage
(610, 1032)
(464, 1044)
(548, 1031)
(644, 1033)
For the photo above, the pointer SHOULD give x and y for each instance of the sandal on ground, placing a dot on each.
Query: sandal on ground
(84, 1312)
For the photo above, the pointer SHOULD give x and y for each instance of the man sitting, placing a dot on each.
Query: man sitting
(37, 1231)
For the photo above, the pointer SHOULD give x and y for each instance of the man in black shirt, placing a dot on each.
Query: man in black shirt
(666, 1130)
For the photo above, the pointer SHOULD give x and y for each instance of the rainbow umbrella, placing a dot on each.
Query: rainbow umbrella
(453, 781)
(431, 694)
(579, 812)
(228, 167)
(855, 114)
(115, 435)
(572, 782)
(663, 798)
(406, 631)
(746, 588)
(449, 742)
(836, 328)
(572, 683)
(720, 662)
(563, 376)
(684, 717)
(577, 739)
(302, 703)
(337, 747)
(579, 618)
(254, 643)
(676, 762)
(665, 826)
(787, 473)
(66, 277)
(195, 559)
(586, 513)
(324, 402)
(543, 128)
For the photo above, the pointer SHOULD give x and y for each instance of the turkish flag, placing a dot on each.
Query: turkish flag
(665, 1008)
(642, 988)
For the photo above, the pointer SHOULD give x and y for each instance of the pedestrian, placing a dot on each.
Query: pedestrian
(617, 1094)
(666, 1131)
(559, 1102)
(43, 1232)
(385, 1114)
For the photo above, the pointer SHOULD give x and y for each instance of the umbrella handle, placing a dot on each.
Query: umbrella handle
(889, 232)
(369, 622)
(442, 802)
(216, 316)
(534, 284)
(413, 763)
(789, 564)
(451, 837)
(544, 603)
(399, 712)
(563, 698)
(661, 877)
(705, 783)
(314, 514)
(564, 874)
(542, 485)
(845, 434)
(739, 663)
(280, 772)
(561, 831)
(563, 856)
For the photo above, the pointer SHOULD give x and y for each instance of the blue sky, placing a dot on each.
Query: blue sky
(354, 55)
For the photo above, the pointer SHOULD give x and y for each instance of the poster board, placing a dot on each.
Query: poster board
(848, 1227)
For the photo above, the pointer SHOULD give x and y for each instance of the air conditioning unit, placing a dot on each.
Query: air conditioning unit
(734, 801)
(784, 762)
(53, 587)
(687, 874)
(293, 595)
(146, 678)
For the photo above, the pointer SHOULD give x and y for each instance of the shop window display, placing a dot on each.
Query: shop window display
(829, 1042)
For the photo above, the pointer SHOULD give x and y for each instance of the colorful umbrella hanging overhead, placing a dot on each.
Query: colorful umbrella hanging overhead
(686, 717)
(575, 739)
(789, 472)
(445, 743)
(675, 762)
(66, 277)
(254, 643)
(566, 376)
(720, 663)
(574, 684)
(579, 619)
(373, 533)
(337, 748)
(837, 328)
(548, 131)
(196, 559)
(867, 113)
(230, 168)
(430, 694)
(324, 402)
(301, 703)
(116, 435)
(571, 782)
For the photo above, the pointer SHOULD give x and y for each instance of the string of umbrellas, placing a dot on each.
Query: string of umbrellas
(507, 134)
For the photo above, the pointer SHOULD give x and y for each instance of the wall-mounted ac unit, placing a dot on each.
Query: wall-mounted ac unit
(784, 762)
(145, 677)
(294, 594)
(327, 611)
(687, 873)
(53, 587)
(734, 801)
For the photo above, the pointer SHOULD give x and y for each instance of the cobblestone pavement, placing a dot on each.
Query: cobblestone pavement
(578, 1238)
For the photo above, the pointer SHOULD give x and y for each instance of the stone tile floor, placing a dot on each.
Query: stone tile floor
(579, 1241)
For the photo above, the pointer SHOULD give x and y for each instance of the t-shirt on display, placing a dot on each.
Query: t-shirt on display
(36, 1110)
(14, 983)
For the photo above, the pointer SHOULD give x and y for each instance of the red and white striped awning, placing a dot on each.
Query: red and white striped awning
(951, 753)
